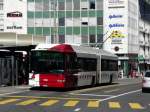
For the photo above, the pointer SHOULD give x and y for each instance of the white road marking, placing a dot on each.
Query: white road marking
(97, 88)
(100, 87)
(119, 95)
(109, 91)
(77, 109)
(89, 94)
(13, 92)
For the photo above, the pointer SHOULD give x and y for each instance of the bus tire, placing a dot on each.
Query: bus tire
(110, 80)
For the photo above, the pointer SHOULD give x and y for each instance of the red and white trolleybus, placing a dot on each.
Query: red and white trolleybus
(66, 66)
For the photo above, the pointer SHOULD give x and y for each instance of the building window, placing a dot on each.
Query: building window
(30, 23)
(84, 5)
(84, 23)
(76, 4)
(92, 4)
(31, 6)
(68, 5)
(61, 38)
(84, 38)
(45, 6)
(61, 5)
(99, 21)
(99, 4)
(1, 6)
(30, 30)
(62, 21)
(52, 38)
(92, 38)
(38, 6)
(99, 38)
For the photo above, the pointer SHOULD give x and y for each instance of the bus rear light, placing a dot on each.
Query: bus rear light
(61, 81)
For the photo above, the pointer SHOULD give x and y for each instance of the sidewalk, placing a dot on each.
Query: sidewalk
(130, 80)
(13, 89)
(8, 90)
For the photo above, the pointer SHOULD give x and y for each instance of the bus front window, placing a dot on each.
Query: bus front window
(47, 62)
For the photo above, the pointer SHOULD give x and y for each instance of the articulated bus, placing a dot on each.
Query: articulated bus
(67, 66)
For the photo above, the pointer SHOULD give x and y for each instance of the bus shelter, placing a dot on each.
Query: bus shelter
(14, 65)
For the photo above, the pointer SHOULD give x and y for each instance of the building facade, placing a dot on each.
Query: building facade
(144, 34)
(67, 21)
(121, 24)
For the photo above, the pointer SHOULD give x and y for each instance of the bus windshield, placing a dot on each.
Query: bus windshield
(47, 62)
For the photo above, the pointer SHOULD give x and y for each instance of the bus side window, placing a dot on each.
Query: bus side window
(79, 65)
(87, 64)
(71, 63)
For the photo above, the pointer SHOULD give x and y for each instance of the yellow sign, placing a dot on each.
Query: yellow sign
(117, 34)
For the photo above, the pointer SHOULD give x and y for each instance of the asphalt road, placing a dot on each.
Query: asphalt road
(120, 97)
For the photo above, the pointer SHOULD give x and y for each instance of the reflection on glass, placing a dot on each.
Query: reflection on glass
(47, 62)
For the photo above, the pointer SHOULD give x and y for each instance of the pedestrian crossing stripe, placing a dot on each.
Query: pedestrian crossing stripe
(68, 103)
(93, 104)
(135, 106)
(27, 102)
(49, 103)
(114, 105)
(71, 103)
(59, 98)
(7, 101)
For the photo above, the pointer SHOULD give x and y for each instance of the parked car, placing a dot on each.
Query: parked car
(146, 81)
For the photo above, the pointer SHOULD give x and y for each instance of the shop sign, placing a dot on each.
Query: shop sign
(116, 37)
(14, 27)
(116, 25)
(114, 16)
(116, 3)
(14, 14)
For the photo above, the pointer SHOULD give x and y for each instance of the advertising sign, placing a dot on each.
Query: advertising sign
(115, 23)
(116, 3)
(15, 16)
